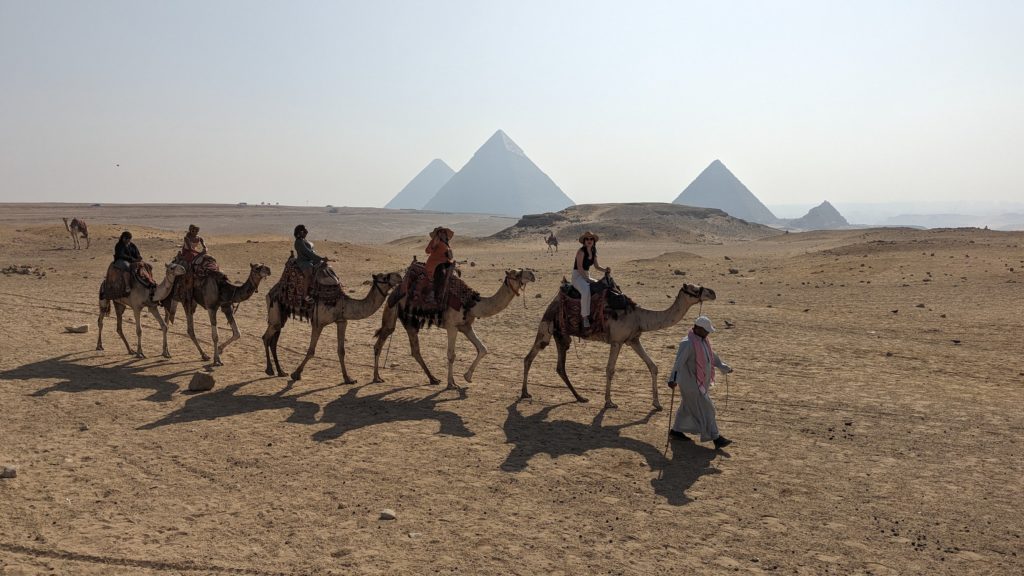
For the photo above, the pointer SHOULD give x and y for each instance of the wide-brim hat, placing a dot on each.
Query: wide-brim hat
(448, 232)
(587, 234)
(705, 323)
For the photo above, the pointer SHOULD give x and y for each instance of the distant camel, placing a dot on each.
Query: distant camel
(217, 293)
(322, 316)
(138, 297)
(625, 329)
(551, 241)
(454, 321)
(77, 228)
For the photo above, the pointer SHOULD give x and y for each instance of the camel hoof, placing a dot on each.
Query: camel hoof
(281, 374)
(99, 348)
(453, 386)
(434, 382)
(205, 358)
(525, 395)
(166, 354)
(296, 376)
(468, 377)
(377, 380)
(658, 408)
(609, 405)
(350, 381)
(270, 372)
(140, 355)
(582, 400)
(217, 363)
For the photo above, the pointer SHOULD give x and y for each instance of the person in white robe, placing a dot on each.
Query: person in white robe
(694, 373)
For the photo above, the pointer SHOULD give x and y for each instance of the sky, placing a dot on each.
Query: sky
(343, 103)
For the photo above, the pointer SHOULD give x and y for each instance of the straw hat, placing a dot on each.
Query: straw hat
(587, 234)
(447, 231)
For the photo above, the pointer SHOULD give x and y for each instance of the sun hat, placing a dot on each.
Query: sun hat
(705, 323)
(587, 234)
(448, 232)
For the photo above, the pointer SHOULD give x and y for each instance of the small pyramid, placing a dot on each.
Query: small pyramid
(821, 217)
(717, 187)
(422, 188)
(500, 179)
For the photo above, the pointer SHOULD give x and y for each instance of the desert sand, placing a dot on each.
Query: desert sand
(876, 410)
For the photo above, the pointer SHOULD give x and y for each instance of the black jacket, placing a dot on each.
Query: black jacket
(127, 252)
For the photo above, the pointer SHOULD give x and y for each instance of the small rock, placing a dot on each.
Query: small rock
(679, 272)
(732, 301)
(8, 472)
(888, 354)
(729, 324)
(942, 315)
(807, 309)
(956, 341)
(919, 306)
(201, 382)
(537, 296)
(733, 271)
(388, 514)
(82, 427)
(472, 263)
(727, 258)
(80, 329)
(894, 311)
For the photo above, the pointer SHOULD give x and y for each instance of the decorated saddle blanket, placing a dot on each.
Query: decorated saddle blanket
(423, 305)
(605, 302)
(196, 272)
(299, 294)
(115, 285)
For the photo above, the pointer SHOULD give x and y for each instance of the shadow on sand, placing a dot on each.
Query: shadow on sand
(351, 412)
(533, 435)
(109, 375)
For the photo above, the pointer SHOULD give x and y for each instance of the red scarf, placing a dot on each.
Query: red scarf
(705, 357)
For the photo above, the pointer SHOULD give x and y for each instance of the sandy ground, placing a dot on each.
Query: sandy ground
(867, 441)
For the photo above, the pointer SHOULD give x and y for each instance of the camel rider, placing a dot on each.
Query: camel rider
(440, 257)
(694, 372)
(127, 255)
(586, 257)
(306, 258)
(192, 246)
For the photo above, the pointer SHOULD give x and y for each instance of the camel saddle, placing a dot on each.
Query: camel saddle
(606, 300)
(298, 296)
(423, 306)
(202, 267)
(114, 285)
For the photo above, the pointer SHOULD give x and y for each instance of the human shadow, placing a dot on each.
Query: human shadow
(351, 412)
(535, 434)
(114, 375)
(226, 402)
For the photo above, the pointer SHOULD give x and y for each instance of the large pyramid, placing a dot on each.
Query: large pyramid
(500, 179)
(422, 188)
(822, 217)
(717, 187)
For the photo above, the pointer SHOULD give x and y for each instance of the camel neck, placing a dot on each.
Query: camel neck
(659, 319)
(362, 308)
(491, 305)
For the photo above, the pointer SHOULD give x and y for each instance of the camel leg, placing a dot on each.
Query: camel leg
(613, 358)
(453, 335)
(190, 310)
(539, 343)
(342, 326)
(235, 334)
(314, 337)
(163, 328)
(212, 311)
(562, 345)
(414, 346)
(387, 327)
(119, 313)
(481, 350)
(651, 366)
(138, 332)
(104, 308)
(275, 322)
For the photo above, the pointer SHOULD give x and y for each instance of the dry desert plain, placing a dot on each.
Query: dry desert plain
(877, 410)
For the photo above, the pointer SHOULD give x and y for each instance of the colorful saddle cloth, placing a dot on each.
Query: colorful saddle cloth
(114, 285)
(297, 296)
(605, 301)
(196, 272)
(423, 306)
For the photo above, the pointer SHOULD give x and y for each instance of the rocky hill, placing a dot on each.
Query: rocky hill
(638, 221)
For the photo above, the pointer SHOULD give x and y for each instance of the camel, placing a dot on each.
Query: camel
(454, 321)
(626, 329)
(217, 293)
(77, 228)
(551, 241)
(323, 315)
(137, 298)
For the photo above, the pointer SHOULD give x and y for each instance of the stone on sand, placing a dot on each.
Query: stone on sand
(388, 514)
(8, 472)
(201, 382)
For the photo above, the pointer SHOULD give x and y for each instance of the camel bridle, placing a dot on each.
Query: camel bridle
(376, 285)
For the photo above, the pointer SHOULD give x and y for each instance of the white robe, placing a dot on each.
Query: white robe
(696, 413)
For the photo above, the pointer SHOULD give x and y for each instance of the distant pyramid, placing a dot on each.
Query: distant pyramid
(821, 217)
(717, 187)
(500, 179)
(422, 188)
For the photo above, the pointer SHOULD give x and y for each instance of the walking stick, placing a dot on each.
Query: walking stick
(671, 408)
(726, 392)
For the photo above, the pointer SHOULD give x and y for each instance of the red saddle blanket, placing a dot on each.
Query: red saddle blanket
(570, 320)
(422, 305)
(292, 289)
(196, 272)
(114, 285)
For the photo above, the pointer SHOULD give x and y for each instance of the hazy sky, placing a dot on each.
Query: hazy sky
(344, 102)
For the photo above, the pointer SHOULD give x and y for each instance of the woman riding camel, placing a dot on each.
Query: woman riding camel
(440, 257)
(192, 246)
(586, 257)
(305, 258)
(126, 255)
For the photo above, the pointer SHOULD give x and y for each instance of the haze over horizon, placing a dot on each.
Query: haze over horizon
(342, 103)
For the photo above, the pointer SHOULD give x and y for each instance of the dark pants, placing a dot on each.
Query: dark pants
(440, 273)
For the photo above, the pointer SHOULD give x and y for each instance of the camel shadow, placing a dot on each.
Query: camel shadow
(225, 402)
(112, 375)
(350, 412)
(534, 435)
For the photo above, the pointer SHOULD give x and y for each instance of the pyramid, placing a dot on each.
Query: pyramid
(717, 187)
(500, 179)
(422, 188)
(821, 217)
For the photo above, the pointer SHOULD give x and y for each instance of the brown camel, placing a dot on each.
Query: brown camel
(323, 315)
(77, 228)
(551, 241)
(625, 329)
(454, 321)
(217, 293)
(139, 297)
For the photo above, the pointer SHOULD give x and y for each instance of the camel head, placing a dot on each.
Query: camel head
(388, 279)
(517, 279)
(174, 269)
(698, 293)
(258, 272)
